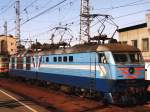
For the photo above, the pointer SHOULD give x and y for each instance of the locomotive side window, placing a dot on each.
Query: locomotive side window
(28, 63)
(65, 59)
(42, 59)
(54, 59)
(59, 59)
(102, 58)
(47, 59)
(70, 58)
(19, 63)
(12, 62)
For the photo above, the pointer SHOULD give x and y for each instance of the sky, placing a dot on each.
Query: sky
(124, 13)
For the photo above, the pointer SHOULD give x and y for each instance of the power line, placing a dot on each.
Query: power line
(131, 14)
(12, 4)
(6, 5)
(30, 5)
(127, 24)
(126, 5)
(71, 3)
(41, 13)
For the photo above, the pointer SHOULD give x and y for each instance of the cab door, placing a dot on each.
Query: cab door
(104, 67)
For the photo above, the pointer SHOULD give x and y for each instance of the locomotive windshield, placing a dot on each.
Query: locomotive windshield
(128, 57)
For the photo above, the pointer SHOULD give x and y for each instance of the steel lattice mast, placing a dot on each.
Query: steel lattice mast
(17, 22)
(84, 21)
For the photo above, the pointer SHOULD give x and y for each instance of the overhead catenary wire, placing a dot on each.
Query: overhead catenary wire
(123, 6)
(30, 5)
(41, 13)
(67, 20)
(129, 14)
(5, 6)
(5, 9)
(114, 18)
(130, 23)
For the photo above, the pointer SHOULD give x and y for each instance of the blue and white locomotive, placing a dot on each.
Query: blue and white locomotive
(115, 71)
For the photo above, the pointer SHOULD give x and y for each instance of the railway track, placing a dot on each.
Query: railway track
(61, 102)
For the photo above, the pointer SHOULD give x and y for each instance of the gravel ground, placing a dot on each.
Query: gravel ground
(61, 102)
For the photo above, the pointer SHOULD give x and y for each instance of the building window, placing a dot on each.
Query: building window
(55, 59)
(47, 59)
(145, 44)
(134, 43)
(59, 59)
(65, 59)
(70, 58)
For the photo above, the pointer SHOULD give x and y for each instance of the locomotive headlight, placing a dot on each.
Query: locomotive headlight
(131, 70)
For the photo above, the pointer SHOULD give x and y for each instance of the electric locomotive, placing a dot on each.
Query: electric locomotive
(114, 71)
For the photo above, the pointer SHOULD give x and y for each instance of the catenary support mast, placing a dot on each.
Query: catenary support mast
(84, 22)
(17, 22)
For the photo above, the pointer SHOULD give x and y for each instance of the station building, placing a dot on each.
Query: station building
(8, 44)
(138, 36)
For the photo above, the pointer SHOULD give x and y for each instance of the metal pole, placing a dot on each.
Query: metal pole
(5, 33)
(17, 8)
(5, 28)
(84, 21)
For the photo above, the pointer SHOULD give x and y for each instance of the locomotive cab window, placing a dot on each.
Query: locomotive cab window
(102, 58)
(120, 57)
(135, 58)
(128, 57)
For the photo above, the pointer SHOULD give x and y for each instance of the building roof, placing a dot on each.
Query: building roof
(133, 27)
(8, 36)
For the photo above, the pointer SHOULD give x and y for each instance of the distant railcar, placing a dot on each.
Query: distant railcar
(115, 71)
(4, 64)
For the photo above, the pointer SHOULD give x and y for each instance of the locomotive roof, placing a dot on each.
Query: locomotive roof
(92, 48)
